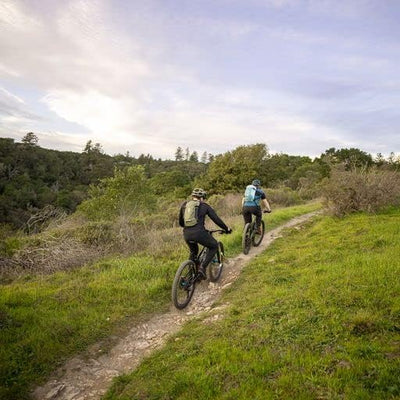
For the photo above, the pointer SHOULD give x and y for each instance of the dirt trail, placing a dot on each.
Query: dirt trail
(89, 377)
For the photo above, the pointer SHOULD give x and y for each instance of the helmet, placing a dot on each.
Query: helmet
(198, 192)
(256, 182)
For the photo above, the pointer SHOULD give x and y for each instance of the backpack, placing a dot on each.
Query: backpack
(190, 216)
(250, 193)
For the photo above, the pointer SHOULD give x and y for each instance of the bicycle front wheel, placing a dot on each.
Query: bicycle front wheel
(246, 239)
(215, 268)
(184, 284)
(258, 237)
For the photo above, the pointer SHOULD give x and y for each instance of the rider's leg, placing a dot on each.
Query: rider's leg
(246, 212)
(205, 239)
(258, 214)
(193, 248)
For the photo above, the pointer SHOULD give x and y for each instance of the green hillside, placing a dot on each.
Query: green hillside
(316, 317)
(44, 319)
(68, 281)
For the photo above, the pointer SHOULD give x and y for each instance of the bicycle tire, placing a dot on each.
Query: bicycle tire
(215, 269)
(184, 284)
(246, 239)
(258, 237)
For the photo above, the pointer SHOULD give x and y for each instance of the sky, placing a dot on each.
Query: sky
(149, 76)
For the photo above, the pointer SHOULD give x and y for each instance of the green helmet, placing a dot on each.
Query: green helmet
(256, 182)
(198, 192)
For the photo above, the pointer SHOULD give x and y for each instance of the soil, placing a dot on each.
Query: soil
(89, 376)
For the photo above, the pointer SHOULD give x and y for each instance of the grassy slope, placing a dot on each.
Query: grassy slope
(45, 319)
(316, 317)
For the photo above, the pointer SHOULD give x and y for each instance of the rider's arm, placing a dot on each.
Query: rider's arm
(264, 202)
(217, 220)
(265, 205)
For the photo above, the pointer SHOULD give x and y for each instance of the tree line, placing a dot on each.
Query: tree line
(33, 178)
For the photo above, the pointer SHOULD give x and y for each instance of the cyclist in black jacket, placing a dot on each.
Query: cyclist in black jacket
(196, 233)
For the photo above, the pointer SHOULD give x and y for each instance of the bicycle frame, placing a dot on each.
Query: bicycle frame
(250, 235)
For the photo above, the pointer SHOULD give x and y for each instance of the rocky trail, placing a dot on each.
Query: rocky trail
(88, 377)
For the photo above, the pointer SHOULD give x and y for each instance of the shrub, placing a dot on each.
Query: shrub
(127, 192)
(10, 246)
(45, 255)
(95, 233)
(361, 190)
(228, 205)
(283, 196)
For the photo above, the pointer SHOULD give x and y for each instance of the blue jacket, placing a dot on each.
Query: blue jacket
(257, 199)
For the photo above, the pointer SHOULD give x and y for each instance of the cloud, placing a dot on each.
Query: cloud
(68, 48)
(14, 114)
(148, 77)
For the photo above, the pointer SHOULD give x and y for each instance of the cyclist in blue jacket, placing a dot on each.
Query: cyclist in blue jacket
(252, 201)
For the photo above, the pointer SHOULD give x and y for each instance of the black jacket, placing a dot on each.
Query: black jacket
(204, 209)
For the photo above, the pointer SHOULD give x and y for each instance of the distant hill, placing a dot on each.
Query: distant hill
(32, 177)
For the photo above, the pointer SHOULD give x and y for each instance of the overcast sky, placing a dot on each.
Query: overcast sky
(147, 76)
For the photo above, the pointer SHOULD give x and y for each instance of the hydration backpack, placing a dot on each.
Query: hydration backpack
(250, 193)
(190, 216)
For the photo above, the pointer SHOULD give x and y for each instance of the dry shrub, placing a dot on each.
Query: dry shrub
(51, 255)
(76, 240)
(95, 233)
(228, 205)
(361, 190)
(44, 218)
(283, 196)
(162, 242)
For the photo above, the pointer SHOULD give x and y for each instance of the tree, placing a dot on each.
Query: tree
(204, 158)
(167, 182)
(126, 193)
(90, 148)
(30, 139)
(235, 169)
(179, 154)
(351, 158)
(194, 157)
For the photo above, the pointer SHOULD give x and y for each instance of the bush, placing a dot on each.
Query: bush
(127, 192)
(283, 196)
(361, 190)
(95, 233)
(228, 205)
(10, 246)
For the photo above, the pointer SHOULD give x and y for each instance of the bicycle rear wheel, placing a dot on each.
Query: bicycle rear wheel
(258, 237)
(246, 239)
(184, 284)
(215, 268)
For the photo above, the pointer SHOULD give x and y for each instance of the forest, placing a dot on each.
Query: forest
(60, 210)
(37, 184)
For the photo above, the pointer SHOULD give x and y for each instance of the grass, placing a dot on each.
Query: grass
(46, 319)
(317, 316)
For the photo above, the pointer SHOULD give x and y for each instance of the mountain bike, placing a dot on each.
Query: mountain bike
(252, 236)
(187, 275)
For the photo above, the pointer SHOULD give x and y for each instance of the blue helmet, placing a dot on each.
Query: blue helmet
(256, 182)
